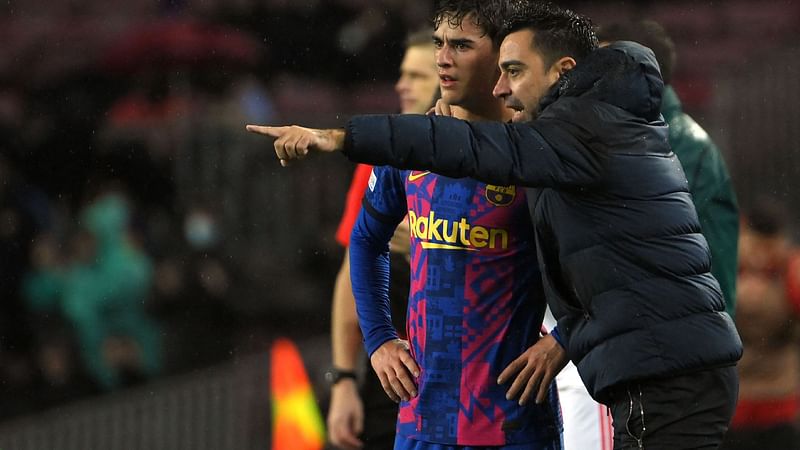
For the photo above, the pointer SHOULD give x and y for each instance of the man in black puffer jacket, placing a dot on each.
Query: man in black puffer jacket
(626, 268)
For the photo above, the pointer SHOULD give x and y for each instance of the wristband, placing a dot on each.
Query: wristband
(335, 375)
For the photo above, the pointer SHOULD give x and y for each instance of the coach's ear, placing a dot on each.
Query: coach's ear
(560, 67)
(564, 65)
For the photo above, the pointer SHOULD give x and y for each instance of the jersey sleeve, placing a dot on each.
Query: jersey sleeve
(384, 207)
(385, 195)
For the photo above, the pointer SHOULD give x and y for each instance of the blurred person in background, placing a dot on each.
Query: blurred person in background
(194, 284)
(24, 213)
(100, 287)
(362, 416)
(768, 319)
(158, 136)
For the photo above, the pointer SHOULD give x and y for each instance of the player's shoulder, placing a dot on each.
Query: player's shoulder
(385, 178)
(389, 171)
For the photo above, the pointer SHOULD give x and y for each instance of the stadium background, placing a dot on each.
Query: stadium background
(153, 95)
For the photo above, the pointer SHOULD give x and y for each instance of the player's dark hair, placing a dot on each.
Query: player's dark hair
(648, 33)
(558, 31)
(487, 15)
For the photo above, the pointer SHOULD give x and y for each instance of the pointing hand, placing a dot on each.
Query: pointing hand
(294, 142)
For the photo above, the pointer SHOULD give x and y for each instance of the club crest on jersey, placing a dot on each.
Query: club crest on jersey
(500, 195)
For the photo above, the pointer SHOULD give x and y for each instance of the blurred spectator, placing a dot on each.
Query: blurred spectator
(100, 289)
(194, 285)
(146, 115)
(172, 138)
(24, 212)
(768, 319)
(361, 45)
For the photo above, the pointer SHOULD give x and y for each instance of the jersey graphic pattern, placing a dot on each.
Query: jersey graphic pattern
(475, 305)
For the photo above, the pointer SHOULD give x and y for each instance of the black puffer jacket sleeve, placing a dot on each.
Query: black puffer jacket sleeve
(495, 153)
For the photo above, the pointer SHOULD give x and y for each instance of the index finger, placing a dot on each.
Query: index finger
(265, 130)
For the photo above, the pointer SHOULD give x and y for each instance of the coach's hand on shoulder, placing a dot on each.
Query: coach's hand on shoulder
(534, 370)
(442, 108)
(396, 369)
(294, 142)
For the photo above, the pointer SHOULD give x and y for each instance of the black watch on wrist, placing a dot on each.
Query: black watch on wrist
(335, 375)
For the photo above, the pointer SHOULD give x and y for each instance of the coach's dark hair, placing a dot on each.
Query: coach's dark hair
(558, 31)
(486, 14)
(648, 33)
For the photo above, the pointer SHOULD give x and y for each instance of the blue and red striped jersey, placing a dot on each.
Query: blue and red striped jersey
(476, 303)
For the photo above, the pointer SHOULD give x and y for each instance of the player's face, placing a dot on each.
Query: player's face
(467, 63)
(418, 80)
(524, 77)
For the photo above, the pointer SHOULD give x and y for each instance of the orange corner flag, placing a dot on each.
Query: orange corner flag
(296, 421)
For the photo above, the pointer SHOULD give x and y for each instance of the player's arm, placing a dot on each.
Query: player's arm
(389, 355)
(401, 243)
(384, 206)
(346, 411)
(345, 332)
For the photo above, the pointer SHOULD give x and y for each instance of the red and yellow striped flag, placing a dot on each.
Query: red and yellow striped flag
(296, 421)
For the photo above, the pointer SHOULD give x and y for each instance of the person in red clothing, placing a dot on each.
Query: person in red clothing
(363, 417)
(767, 316)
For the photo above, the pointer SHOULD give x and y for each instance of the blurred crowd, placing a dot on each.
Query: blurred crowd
(109, 277)
(130, 195)
(768, 321)
(142, 233)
